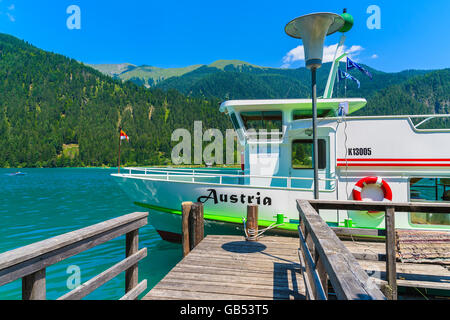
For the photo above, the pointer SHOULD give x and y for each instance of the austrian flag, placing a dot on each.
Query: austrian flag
(123, 135)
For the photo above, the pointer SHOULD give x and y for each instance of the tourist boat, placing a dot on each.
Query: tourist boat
(384, 158)
(378, 158)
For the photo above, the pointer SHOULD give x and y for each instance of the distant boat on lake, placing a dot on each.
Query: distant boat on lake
(17, 174)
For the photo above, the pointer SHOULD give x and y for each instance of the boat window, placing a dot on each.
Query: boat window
(429, 190)
(266, 121)
(302, 154)
(307, 114)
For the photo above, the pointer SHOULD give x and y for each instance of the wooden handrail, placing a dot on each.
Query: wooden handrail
(324, 257)
(30, 262)
(390, 209)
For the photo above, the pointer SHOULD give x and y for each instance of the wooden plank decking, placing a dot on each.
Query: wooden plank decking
(228, 267)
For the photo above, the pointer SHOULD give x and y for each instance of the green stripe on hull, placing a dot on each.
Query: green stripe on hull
(262, 223)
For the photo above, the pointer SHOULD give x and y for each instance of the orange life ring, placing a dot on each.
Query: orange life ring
(357, 189)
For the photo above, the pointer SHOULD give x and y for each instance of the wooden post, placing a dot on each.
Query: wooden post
(391, 269)
(186, 209)
(120, 140)
(196, 225)
(132, 247)
(252, 222)
(33, 286)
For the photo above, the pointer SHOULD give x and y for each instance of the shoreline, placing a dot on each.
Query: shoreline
(149, 166)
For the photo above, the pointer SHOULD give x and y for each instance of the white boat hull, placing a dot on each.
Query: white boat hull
(228, 204)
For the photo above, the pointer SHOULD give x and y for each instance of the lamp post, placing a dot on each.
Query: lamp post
(312, 29)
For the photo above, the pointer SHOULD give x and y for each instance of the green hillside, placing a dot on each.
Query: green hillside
(425, 94)
(55, 111)
(150, 76)
(406, 92)
(222, 64)
(232, 82)
(114, 70)
(235, 79)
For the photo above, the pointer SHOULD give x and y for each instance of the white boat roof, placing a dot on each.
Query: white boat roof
(354, 103)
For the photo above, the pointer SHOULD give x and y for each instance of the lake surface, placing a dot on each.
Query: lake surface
(49, 202)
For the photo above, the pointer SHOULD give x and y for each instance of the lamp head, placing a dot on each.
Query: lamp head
(312, 29)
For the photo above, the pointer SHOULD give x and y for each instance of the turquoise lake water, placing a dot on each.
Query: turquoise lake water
(49, 202)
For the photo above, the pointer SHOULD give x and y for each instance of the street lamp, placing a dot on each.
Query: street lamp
(312, 29)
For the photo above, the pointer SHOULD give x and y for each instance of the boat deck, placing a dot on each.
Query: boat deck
(230, 268)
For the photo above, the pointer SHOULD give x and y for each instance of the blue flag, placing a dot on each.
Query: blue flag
(344, 75)
(351, 65)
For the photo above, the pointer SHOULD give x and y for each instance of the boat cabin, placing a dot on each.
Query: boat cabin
(277, 139)
(276, 136)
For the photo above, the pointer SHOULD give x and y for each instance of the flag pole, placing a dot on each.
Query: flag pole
(120, 130)
(345, 81)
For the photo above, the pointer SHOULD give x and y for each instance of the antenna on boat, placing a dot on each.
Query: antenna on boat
(312, 29)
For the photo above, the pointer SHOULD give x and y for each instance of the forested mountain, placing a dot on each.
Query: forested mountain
(55, 111)
(114, 70)
(406, 92)
(234, 79)
(150, 76)
(426, 94)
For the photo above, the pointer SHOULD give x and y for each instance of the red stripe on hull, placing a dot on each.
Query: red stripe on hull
(394, 165)
(392, 160)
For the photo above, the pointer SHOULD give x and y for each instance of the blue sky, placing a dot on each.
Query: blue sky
(413, 34)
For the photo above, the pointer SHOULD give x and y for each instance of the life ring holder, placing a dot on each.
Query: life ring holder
(357, 189)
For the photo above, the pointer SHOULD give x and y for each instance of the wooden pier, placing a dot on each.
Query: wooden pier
(228, 267)
(317, 265)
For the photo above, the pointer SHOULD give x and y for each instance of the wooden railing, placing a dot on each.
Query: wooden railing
(390, 208)
(30, 262)
(323, 257)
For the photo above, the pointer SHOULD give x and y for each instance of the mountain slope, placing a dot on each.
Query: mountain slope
(113, 70)
(150, 76)
(235, 79)
(282, 83)
(55, 111)
(424, 94)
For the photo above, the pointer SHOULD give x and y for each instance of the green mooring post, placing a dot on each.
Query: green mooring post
(280, 218)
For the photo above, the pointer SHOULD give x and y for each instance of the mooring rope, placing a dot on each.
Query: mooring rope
(253, 235)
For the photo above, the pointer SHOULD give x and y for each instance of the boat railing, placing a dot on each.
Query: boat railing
(409, 118)
(193, 175)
